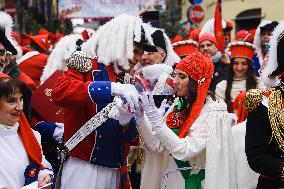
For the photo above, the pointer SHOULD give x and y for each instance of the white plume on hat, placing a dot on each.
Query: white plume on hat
(113, 41)
(7, 23)
(62, 51)
(257, 40)
(208, 27)
(272, 63)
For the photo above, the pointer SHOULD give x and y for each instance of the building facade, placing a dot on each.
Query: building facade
(245, 14)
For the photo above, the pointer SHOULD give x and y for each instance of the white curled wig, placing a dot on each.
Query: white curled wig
(7, 23)
(62, 51)
(113, 42)
(272, 62)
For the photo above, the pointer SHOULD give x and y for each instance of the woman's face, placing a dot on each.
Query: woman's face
(240, 67)
(10, 109)
(181, 83)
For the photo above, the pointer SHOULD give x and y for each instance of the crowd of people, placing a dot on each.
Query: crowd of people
(136, 109)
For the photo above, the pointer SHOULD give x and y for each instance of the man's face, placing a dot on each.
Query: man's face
(265, 36)
(227, 38)
(2, 57)
(150, 58)
(207, 47)
(138, 53)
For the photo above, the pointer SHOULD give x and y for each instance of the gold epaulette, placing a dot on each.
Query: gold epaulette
(254, 97)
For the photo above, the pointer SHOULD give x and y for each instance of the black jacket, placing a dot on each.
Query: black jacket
(263, 155)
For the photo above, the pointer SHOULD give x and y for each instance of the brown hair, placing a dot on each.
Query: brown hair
(251, 81)
(9, 86)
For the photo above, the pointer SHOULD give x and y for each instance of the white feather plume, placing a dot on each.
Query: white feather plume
(272, 63)
(62, 50)
(7, 23)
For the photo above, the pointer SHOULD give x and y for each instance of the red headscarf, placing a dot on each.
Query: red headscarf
(29, 140)
(200, 68)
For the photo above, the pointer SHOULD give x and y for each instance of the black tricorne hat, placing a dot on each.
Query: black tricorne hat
(6, 43)
(158, 40)
(152, 17)
(268, 27)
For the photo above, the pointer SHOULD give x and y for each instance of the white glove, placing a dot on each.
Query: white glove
(128, 92)
(154, 114)
(233, 118)
(58, 132)
(120, 112)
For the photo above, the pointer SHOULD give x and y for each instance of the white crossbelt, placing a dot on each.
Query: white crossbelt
(96, 121)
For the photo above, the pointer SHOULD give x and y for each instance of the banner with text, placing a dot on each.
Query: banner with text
(106, 8)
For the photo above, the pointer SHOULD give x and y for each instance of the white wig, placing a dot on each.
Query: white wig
(7, 23)
(62, 51)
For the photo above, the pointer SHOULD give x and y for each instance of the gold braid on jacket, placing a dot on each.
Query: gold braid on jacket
(275, 111)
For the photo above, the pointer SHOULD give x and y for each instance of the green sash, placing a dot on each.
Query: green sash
(192, 181)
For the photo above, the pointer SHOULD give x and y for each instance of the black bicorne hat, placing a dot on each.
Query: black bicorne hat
(158, 40)
(152, 17)
(268, 27)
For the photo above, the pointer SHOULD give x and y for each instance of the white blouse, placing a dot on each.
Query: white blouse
(237, 86)
(14, 159)
(208, 145)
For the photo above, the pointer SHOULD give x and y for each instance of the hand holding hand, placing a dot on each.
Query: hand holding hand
(128, 92)
(120, 112)
(154, 114)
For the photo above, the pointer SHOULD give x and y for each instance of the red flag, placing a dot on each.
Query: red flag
(218, 30)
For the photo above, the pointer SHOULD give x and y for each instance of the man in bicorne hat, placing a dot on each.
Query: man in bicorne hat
(264, 143)
(89, 85)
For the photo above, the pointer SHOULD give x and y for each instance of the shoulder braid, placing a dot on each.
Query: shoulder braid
(254, 97)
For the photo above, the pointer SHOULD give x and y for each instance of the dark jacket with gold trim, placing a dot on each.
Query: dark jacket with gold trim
(263, 153)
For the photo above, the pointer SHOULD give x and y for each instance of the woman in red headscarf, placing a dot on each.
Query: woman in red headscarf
(21, 158)
(192, 141)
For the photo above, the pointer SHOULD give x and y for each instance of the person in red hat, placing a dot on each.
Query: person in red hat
(241, 75)
(184, 48)
(41, 43)
(194, 34)
(244, 35)
(89, 85)
(21, 158)
(208, 45)
(186, 136)
(32, 64)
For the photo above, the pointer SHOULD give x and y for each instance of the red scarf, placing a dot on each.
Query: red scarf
(200, 68)
(30, 142)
